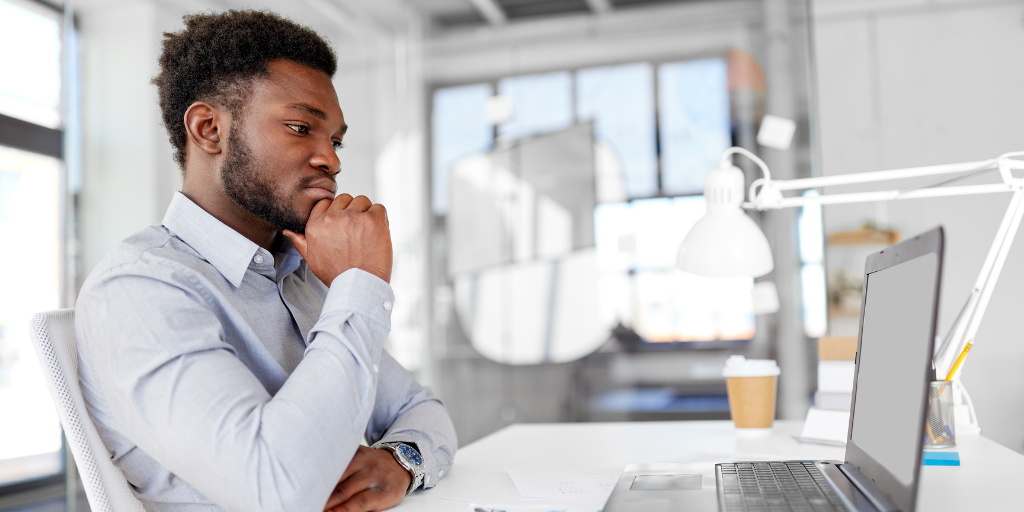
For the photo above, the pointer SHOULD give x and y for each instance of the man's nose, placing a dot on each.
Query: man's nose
(326, 159)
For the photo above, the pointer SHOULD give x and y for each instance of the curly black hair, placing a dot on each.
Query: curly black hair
(217, 58)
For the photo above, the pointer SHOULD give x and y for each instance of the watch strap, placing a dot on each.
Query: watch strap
(416, 471)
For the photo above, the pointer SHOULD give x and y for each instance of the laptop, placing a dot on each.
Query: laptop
(887, 414)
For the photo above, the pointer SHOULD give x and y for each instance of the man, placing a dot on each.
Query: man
(232, 357)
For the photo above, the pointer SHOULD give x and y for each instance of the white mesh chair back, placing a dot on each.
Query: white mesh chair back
(53, 335)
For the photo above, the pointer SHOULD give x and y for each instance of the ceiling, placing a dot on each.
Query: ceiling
(449, 14)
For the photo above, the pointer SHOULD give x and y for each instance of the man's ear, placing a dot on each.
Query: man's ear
(206, 126)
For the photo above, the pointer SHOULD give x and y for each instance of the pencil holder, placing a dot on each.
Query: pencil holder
(939, 427)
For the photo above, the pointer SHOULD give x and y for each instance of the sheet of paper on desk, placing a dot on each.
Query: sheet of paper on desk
(827, 426)
(560, 484)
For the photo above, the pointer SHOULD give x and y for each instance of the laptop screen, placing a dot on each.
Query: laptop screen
(894, 345)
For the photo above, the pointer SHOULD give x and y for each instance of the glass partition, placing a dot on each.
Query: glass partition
(565, 221)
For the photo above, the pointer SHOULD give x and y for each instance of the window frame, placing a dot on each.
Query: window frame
(494, 81)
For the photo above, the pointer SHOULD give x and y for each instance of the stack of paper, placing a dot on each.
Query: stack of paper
(827, 422)
(835, 373)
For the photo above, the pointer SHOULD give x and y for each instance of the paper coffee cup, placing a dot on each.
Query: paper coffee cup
(751, 387)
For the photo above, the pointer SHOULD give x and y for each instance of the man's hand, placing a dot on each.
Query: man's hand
(373, 481)
(343, 234)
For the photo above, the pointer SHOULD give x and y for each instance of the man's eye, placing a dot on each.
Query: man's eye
(338, 144)
(299, 128)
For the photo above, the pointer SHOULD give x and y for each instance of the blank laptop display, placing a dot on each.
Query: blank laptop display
(897, 323)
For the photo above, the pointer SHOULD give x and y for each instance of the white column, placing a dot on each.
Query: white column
(790, 342)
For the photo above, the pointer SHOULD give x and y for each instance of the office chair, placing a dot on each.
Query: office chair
(53, 336)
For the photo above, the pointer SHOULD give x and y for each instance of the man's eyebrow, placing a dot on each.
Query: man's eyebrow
(309, 109)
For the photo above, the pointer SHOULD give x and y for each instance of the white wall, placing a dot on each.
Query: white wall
(917, 82)
(128, 175)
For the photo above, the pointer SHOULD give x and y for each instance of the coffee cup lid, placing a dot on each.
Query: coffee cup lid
(739, 366)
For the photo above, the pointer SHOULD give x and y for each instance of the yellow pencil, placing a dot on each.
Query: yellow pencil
(959, 360)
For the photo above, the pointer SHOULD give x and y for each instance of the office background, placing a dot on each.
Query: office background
(641, 95)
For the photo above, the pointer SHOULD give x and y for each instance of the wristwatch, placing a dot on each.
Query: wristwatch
(409, 458)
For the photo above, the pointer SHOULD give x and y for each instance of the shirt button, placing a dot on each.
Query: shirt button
(258, 259)
(375, 369)
(387, 305)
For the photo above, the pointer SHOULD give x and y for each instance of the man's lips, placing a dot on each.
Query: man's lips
(319, 192)
(321, 188)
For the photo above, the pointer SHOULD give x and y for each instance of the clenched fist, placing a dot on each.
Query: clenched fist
(343, 234)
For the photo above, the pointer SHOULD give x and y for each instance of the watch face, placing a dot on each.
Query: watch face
(410, 454)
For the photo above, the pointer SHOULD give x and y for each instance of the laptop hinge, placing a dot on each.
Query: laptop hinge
(864, 485)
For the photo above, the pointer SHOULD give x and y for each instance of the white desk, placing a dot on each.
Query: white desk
(988, 479)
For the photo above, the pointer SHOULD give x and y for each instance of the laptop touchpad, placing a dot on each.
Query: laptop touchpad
(666, 483)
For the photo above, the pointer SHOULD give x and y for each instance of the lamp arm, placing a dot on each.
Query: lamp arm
(876, 176)
(981, 294)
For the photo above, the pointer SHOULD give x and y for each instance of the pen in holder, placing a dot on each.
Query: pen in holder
(940, 430)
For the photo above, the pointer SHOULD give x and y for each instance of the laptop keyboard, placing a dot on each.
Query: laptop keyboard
(772, 486)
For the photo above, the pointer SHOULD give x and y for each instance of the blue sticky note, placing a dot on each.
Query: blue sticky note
(940, 458)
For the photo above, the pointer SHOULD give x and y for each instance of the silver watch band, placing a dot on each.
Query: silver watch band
(416, 470)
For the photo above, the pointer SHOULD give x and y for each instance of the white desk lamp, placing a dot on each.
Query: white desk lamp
(726, 242)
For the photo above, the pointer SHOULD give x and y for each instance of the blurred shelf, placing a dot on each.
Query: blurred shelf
(866, 235)
(839, 311)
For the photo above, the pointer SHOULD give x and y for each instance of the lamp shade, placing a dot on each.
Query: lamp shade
(725, 242)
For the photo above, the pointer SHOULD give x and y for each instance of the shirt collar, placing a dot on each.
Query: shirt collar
(288, 259)
(224, 248)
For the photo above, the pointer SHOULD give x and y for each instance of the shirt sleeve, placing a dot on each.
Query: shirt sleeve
(173, 386)
(407, 412)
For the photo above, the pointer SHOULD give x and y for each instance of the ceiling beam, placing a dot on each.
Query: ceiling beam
(491, 11)
(600, 6)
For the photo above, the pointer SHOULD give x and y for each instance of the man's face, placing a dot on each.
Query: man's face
(281, 157)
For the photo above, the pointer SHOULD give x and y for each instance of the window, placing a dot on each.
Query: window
(693, 109)
(640, 239)
(30, 57)
(29, 447)
(812, 273)
(639, 155)
(459, 129)
(31, 177)
(541, 104)
(657, 128)
(620, 101)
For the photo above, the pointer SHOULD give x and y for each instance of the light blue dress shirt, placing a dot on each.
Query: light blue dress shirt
(222, 376)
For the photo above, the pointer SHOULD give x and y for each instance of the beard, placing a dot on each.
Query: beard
(250, 188)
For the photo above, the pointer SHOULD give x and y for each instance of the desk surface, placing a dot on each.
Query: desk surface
(988, 478)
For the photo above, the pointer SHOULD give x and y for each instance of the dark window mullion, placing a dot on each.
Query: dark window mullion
(18, 134)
